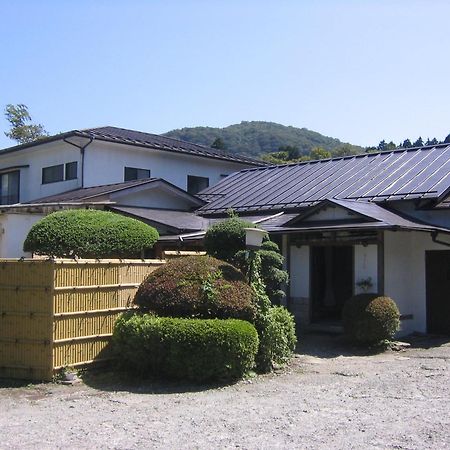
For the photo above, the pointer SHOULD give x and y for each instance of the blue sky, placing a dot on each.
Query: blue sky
(359, 70)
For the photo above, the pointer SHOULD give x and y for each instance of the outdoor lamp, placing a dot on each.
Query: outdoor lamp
(253, 238)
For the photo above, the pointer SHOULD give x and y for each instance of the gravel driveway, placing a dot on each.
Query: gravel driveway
(328, 398)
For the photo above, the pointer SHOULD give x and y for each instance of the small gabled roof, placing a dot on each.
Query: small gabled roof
(177, 221)
(97, 193)
(365, 216)
(403, 174)
(141, 139)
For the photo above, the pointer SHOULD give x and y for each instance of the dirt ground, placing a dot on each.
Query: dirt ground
(330, 397)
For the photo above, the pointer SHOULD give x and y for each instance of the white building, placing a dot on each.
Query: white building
(99, 156)
(376, 222)
(97, 168)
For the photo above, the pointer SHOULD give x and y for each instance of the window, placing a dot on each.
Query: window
(60, 172)
(132, 173)
(196, 184)
(71, 170)
(53, 174)
(9, 188)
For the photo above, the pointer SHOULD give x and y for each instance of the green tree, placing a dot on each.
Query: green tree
(382, 146)
(406, 144)
(319, 153)
(218, 144)
(292, 151)
(447, 139)
(346, 150)
(391, 146)
(276, 158)
(22, 130)
(419, 142)
(433, 141)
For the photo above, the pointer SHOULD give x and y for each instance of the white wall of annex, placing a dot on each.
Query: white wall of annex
(405, 276)
(14, 229)
(105, 163)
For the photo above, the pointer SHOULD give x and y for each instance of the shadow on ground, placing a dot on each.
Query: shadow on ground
(332, 345)
(109, 378)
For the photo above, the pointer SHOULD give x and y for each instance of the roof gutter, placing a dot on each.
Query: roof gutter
(434, 237)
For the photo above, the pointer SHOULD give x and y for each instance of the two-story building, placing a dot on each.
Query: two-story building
(99, 156)
(95, 168)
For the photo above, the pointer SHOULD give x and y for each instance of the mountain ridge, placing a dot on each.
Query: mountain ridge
(256, 138)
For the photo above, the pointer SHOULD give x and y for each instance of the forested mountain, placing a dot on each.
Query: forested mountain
(257, 138)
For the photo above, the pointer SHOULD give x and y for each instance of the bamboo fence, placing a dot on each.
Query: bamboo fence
(58, 313)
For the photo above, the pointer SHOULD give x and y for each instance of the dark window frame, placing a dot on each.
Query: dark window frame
(71, 170)
(67, 173)
(193, 182)
(11, 199)
(137, 176)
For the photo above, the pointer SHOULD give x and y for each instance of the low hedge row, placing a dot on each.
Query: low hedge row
(193, 349)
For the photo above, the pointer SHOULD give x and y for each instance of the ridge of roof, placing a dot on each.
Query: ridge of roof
(143, 139)
(340, 158)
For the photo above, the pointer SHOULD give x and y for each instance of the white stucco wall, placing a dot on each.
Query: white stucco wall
(14, 229)
(404, 274)
(366, 260)
(173, 167)
(299, 271)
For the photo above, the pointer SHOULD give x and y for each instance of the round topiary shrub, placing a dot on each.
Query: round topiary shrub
(197, 286)
(190, 349)
(370, 318)
(224, 239)
(89, 234)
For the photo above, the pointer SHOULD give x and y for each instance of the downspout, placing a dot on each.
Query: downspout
(82, 151)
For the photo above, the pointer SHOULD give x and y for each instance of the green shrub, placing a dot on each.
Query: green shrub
(224, 239)
(197, 286)
(281, 334)
(191, 349)
(89, 234)
(370, 318)
(275, 326)
(272, 272)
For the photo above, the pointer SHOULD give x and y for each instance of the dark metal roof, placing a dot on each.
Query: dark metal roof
(403, 174)
(141, 139)
(101, 193)
(89, 193)
(179, 221)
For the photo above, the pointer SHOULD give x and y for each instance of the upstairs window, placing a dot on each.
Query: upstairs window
(132, 173)
(72, 170)
(196, 184)
(60, 172)
(9, 188)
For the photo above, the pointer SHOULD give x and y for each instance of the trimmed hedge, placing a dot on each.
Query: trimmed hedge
(370, 318)
(224, 239)
(192, 349)
(197, 286)
(89, 234)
